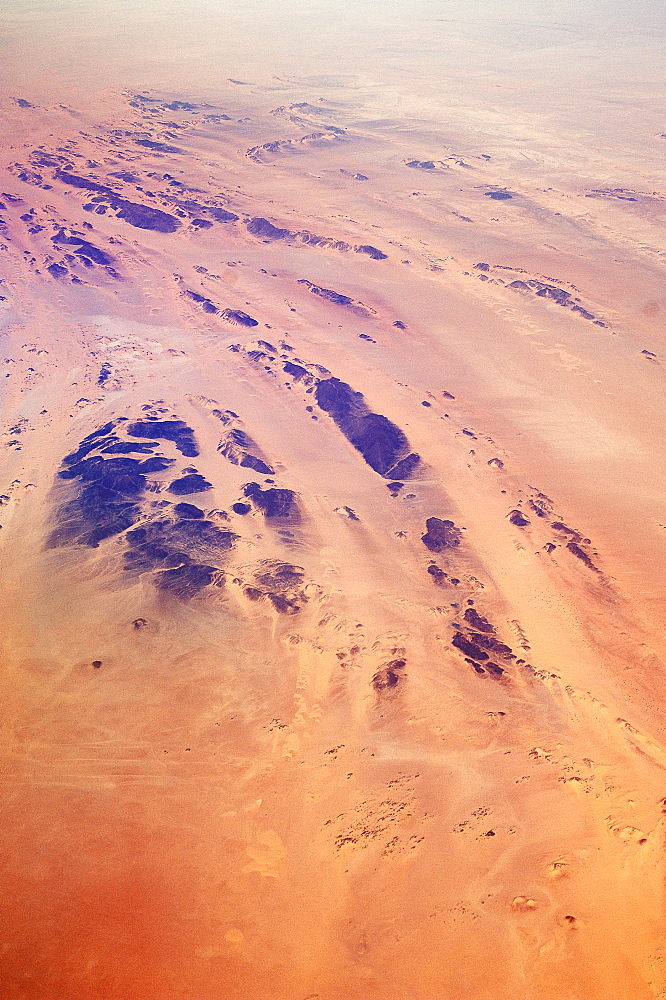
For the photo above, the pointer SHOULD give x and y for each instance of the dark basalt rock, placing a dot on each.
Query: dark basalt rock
(83, 248)
(482, 267)
(279, 576)
(240, 317)
(438, 575)
(487, 642)
(328, 293)
(421, 164)
(382, 444)
(295, 371)
(191, 483)
(560, 526)
(468, 647)
(441, 535)
(274, 502)
(156, 464)
(187, 580)
(520, 285)
(124, 175)
(477, 621)
(195, 296)
(220, 214)
(104, 374)
(517, 518)
(499, 195)
(88, 443)
(91, 518)
(251, 462)
(582, 312)
(119, 474)
(130, 447)
(553, 292)
(202, 223)
(379, 441)
(539, 508)
(142, 217)
(495, 669)
(237, 447)
(174, 551)
(371, 252)
(384, 679)
(389, 676)
(405, 468)
(241, 508)
(582, 555)
(73, 180)
(169, 430)
(283, 605)
(337, 398)
(161, 147)
(266, 230)
(107, 501)
(139, 216)
(57, 270)
(164, 538)
(188, 511)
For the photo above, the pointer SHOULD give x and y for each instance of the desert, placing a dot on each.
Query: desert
(332, 502)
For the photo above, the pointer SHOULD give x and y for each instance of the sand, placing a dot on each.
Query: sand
(345, 680)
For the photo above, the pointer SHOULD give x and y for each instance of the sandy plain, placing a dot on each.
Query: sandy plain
(345, 679)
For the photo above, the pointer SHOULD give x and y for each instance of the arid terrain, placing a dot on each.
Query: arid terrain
(333, 507)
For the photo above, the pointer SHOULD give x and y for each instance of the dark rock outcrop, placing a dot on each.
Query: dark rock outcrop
(169, 430)
(139, 216)
(266, 230)
(190, 483)
(328, 294)
(581, 554)
(238, 317)
(383, 445)
(477, 621)
(441, 535)
(238, 448)
(371, 252)
(468, 647)
(274, 502)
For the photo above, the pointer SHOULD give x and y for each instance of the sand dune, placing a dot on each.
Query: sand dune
(333, 533)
